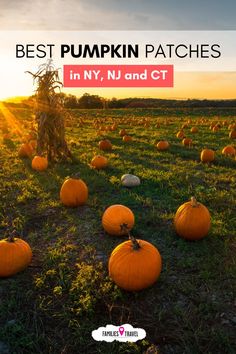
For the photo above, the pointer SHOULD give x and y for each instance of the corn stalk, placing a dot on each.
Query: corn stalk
(50, 114)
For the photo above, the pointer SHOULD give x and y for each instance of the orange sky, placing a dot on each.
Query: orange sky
(211, 85)
(200, 85)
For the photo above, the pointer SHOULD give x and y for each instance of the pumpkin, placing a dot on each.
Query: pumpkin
(99, 162)
(232, 134)
(25, 150)
(129, 180)
(74, 192)
(215, 128)
(122, 132)
(135, 265)
(7, 136)
(113, 127)
(187, 142)
(207, 155)
(118, 220)
(180, 134)
(229, 150)
(192, 220)
(39, 163)
(15, 255)
(33, 144)
(105, 145)
(127, 138)
(163, 145)
(194, 130)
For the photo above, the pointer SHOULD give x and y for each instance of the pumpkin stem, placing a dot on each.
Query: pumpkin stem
(75, 176)
(135, 243)
(194, 202)
(11, 237)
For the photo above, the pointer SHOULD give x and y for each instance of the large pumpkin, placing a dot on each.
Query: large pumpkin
(135, 265)
(15, 255)
(118, 220)
(207, 155)
(105, 145)
(163, 145)
(25, 150)
(192, 220)
(229, 150)
(39, 163)
(74, 192)
(99, 162)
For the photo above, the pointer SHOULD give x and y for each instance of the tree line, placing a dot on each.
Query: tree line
(87, 101)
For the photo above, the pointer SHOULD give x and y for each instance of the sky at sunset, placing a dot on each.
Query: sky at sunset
(127, 15)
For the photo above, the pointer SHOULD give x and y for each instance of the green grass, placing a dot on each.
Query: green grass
(53, 306)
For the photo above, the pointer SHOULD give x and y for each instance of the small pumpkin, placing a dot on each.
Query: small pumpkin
(99, 162)
(25, 150)
(187, 142)
(127, 138)
(74, 192)
(129, 180)
(232, 134)
(207, 155)
(194, 130)
(15, 256)
(163, 145)
(229, 150)
(180, 134)
(215, 128)
(135, 265)
(39, 163)
(122, 132)
(118, 220)
(105, 145)
(192, 220)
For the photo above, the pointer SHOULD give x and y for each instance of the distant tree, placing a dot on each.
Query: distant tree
(71, 101)
(90, 101)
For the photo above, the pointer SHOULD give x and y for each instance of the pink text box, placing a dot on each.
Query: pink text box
(118, 75)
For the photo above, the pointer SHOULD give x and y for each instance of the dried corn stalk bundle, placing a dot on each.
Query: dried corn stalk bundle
(50, 114)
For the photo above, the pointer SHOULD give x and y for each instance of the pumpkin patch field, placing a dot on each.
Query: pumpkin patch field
(139, 227)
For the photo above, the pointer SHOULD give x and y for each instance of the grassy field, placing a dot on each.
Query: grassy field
(53, 306)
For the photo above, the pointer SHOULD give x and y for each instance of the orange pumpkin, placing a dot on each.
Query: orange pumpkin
(187, 142)
(232, 134)
(207, 155)
(122, 132)
(33, 144)
(74, 192)
(15, 255)
(25, 150)
(127, 138)
(135, 265)
(118, 220)
(105, 145)
(39, 163)
(192, 220)
(215, 128)
(194, 130)
(180, 134)
(99, 162)
(229, 150)
(163, 145)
